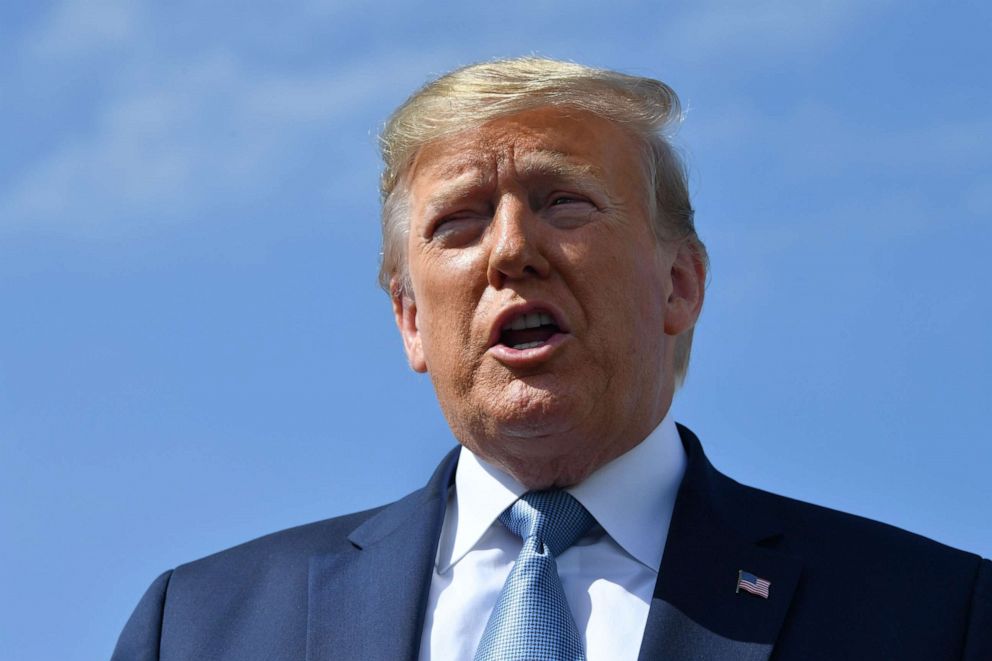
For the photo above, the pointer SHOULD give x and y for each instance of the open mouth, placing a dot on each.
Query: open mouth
(529, 330)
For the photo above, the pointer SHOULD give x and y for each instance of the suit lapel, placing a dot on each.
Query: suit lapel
(368, 601)
(717, 529)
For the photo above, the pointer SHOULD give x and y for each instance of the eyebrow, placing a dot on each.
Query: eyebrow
(536, 162)
(551, 162)
(460, 187)
(462, 175)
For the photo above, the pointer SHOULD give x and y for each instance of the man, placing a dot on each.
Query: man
(544, 270)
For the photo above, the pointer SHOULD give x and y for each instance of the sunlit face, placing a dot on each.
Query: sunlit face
(543, 307)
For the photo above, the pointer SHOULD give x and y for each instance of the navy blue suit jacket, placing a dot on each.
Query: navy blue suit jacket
(355, 587)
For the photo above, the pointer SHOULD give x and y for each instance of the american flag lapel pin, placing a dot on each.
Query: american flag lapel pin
(750, 583)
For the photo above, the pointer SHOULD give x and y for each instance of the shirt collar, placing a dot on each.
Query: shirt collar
(481, 493)
(632, 498)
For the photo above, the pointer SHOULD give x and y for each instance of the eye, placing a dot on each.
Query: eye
(569, 210)
(559, 200)
(458, 228)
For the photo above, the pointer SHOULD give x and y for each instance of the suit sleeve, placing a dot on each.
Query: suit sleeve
(978, 643)
(142, 634)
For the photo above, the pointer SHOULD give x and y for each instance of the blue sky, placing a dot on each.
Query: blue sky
(194, 351)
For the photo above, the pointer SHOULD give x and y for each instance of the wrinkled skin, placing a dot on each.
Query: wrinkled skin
(547, 208)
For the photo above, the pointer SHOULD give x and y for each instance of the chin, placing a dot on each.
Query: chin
(542, 463)
(533, 423)
(531, 427)
(548, 388)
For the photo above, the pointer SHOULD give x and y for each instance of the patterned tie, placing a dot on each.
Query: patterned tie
(531, 620)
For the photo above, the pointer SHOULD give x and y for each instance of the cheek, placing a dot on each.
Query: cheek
(445, 330)
(630, 291)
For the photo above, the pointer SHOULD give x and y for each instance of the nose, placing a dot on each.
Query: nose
(516, 251)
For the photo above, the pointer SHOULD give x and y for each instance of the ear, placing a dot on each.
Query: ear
(688, 274)
(405, 312)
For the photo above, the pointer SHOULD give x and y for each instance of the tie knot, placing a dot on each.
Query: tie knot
(553, 518)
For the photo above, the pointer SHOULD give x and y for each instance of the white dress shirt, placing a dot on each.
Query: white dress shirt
(608, 575)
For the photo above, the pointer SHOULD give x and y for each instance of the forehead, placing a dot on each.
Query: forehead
(542, 141)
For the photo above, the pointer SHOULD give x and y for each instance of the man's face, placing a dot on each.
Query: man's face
(543, 307)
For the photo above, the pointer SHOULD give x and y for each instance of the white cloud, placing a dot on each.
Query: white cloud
(176, 126)
(816, 138)
(175, 129)
(74, 28)
(193, 131)
(749, 29)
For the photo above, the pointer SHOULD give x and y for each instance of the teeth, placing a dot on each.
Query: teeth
(527, 345)
(530, 320)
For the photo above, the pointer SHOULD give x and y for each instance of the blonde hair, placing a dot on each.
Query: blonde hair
(476, 94)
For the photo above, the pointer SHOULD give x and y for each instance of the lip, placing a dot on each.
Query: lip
(509, 313)
(522, 357)
(527, 357)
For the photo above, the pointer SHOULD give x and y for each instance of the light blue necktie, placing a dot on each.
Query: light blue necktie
(531, 620)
